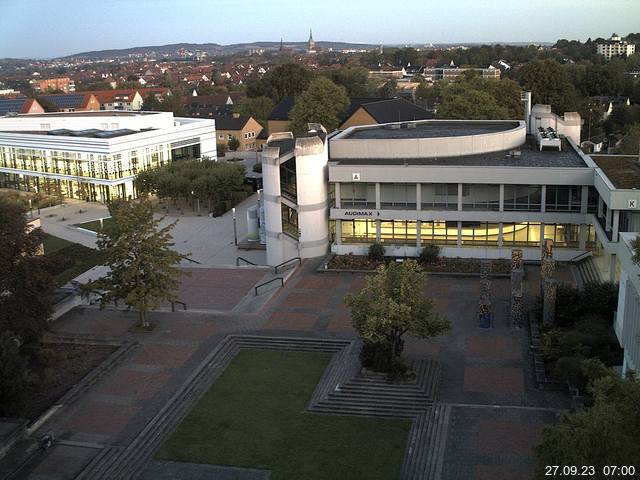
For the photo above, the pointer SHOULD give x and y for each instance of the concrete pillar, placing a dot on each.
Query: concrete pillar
(612, 268)
(500, 237)
(584, 199)
(582, 236)
(543, 198)
(459, 199)
(271, 204)
(338, 240)
(378, 231)
(616, 225)
(459, 243)
(600, 206)
(418, 197)
(336, 192)
(501, 207)
(377, 196)
(608, 220)
(418, 230)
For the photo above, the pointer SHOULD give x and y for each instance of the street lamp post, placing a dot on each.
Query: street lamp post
(101, 223)
(235, 230)
(30, 209)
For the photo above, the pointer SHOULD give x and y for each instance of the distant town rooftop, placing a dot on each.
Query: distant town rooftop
(622, 170)
(527, 155)
(430, 129)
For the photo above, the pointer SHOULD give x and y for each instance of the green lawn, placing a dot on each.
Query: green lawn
(94, 225)
(68, 259)
(254, 416)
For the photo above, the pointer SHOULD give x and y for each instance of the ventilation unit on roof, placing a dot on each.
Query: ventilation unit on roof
(411, 126)
(393, 126)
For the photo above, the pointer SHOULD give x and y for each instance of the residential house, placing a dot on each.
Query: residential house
(19, 105)
(245, 129)
(73, 102)
(123, 99)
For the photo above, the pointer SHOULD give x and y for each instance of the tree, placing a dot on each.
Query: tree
(354, 79)
(323, 102)
(140, 257)
(461, 101)
(233, 144)
(630, 143)
(288, 80)
(392, 304)
(256, 107)
(549, 84)
(25, 283)
(607, 433)
(14, 373)
(388, 90)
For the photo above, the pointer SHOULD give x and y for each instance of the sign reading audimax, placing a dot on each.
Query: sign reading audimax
(361, 213)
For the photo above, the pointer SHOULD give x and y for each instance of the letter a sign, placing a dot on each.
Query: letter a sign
(356, 177)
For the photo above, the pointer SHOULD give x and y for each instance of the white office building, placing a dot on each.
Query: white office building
(615, 47)
(95, 155)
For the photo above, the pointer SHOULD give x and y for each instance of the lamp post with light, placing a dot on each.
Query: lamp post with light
(235, 230)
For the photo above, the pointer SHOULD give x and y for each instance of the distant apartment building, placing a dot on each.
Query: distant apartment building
(452, 72)
(72, 102)
(615, 47)
(65, 84)
(97, 155)
(123, 99)
(245, 129)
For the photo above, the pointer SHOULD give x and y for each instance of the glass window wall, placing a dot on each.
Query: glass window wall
(481, 197)
(439, 196)
(522, 198)
(358, 231)
(563, 198)
(479, 233)
(358, 195)
(398, 195)
(398, 232)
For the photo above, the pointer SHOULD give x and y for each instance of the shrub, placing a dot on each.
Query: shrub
(376, 252)
(430, 253)
(221, 149)
(233, 144)
(257, 167)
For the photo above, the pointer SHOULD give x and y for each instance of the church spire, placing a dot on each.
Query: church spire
(311, 46)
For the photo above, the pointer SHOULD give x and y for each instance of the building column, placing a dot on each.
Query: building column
(600, 206)
(616, 225)
(459, 242)
(459, 202)
(612, 268)
(418, 236)
(584, 199)
(336, 192)
(543, 198)
(501, 207)
(418, 197)
(582, 236)
(338, 240)
(377, 231)
(377, 196)
(608, 220)
(500, 237)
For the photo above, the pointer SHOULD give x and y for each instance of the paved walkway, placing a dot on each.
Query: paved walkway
(496, 412)
(210, 241)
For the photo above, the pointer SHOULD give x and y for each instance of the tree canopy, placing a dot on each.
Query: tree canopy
(392, 304)
(256, 107)
(607, 433)
(549, 84)
(140, 257)
(287, 80)
(323, 102)
(354, 79)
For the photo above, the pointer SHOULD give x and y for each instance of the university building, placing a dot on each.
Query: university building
(478, 189)
(95, 155)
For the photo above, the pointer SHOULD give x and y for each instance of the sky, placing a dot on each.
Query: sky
(45, 28)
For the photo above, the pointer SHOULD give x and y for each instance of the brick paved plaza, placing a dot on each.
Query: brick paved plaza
(496, 417)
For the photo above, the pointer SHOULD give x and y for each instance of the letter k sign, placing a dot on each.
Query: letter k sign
(633, 204)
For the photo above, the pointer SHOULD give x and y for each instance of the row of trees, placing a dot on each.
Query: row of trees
(220, 184)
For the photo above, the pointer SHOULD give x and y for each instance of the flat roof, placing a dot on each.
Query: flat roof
(622, 170)
(530, 156)
(91, 113)
(431, 129)
(87, 133)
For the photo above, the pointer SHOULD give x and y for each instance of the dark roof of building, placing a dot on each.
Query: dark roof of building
(622, 170)
(88, 133)
(229, 122)
(358, 101)
(282, 109)
(68, 100)
(286, 145)
(434, 129)
(207, 101)
(530, 156)
(12, 105)
(396, 110)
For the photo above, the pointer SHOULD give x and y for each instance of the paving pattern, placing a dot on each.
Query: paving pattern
(487, 416)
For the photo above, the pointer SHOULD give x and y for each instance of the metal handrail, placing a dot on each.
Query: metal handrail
(267, 283)
(580, 256)
(173, 305)
(275, 269)
(244, 260)
(193, 261)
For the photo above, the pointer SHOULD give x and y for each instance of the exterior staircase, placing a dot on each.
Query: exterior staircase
(586, 271)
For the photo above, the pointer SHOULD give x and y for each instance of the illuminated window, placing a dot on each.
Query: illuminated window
(474, 233)
(526, 234)
(358, 231)
(398, 232)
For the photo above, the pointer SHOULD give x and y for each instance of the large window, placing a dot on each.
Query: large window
(592, 200)
(441, 233)
(526, 234)
(359, 195)
(481, 197)
(398, 232)
(439, 196)
(563, 235)
(398, 195)
(288, 182)
(358, 231)
(289, 221)
(479, 233)
(522, 197)
(563, 198)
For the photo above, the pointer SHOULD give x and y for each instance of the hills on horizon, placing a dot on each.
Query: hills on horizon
(215, 49)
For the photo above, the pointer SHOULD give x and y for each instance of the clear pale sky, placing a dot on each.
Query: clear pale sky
(46, 28)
